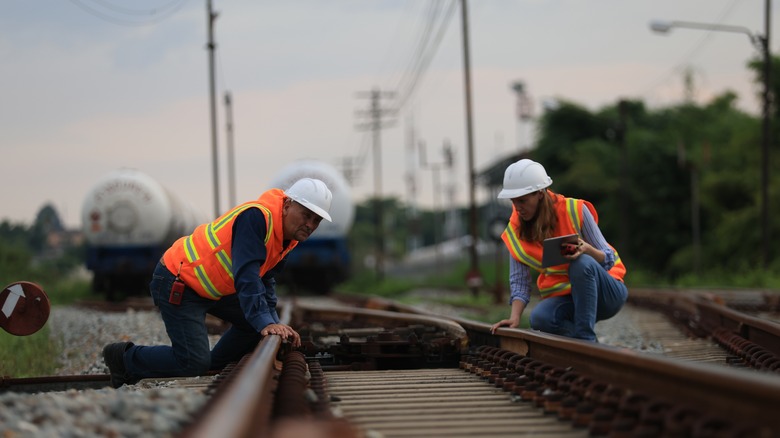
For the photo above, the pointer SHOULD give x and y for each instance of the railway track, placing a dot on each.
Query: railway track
(378, 368)
(517, 382)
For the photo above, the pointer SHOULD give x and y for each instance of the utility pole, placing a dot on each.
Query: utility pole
(213, 106)
(375, 125)
(624, 194)
(412, 215)
(435, 169)
(766, 132)
(474, 277)
(230, 151)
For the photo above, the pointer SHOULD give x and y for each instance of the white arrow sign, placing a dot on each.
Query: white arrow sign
(16, 291)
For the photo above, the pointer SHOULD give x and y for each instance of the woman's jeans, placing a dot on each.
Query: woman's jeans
(189, 353)
(595, 296)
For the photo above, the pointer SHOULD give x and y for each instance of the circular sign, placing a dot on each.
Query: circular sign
(24, 308)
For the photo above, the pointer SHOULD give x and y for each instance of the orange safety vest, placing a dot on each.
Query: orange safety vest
(554, 280)
(205, 255)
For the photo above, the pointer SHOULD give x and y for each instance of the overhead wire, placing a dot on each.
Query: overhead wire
(364, 146)
(409, 83)
(430, 32)
(434, 8)
(123, 16)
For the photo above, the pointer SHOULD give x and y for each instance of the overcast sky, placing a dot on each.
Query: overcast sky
(89, 86)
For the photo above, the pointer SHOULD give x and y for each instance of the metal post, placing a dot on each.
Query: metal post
(376, 116)
(230, 152)
(474, 278)
(767, 135)
(213, 107)
(624, 192)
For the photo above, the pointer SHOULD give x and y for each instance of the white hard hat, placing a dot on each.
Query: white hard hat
(312, 194)
(522, 178)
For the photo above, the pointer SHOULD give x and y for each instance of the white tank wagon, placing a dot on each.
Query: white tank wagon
(323, 260)
(129, 220)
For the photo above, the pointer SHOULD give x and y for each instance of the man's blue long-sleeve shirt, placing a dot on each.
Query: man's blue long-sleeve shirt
(256, 295)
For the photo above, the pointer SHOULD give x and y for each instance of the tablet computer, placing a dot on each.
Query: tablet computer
(551, 250)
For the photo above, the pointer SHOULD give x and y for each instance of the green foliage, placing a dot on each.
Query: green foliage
(644, 170)
(68, 291)
(28, 356)
(748, 278)
(365, 283)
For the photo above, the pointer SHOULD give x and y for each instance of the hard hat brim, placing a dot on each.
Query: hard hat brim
(516, 193)
(511, 194)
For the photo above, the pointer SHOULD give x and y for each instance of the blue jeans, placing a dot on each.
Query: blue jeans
(595, 296)
(188, 354)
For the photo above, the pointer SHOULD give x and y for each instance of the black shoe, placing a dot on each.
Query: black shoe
(113, 355)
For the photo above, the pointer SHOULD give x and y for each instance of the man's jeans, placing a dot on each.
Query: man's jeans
(595, 296)
(185, 323)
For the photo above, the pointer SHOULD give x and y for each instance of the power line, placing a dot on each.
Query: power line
(409, 82)
(113, 14)
(429, 35)
(434, 9)
(376, 124)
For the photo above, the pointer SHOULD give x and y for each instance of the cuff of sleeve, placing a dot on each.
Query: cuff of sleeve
(512, 299)
(264, 319)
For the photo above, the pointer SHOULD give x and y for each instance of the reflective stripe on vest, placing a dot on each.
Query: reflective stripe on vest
(554, 280)
(204, 257)
(211, 231)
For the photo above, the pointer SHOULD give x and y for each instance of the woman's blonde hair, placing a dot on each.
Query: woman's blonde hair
(544, 222)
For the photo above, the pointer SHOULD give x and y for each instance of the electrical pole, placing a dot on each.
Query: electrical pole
(412, 216)
(473, 278)
(213, 106)
(435, 169)
(230, 151)
(375, 125)
(766, 133)
(624, 193)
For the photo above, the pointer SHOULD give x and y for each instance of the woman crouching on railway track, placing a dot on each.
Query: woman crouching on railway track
(573, 297)
(225, 268)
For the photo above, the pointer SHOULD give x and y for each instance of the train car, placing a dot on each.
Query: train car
(323, 260)
(129, 220)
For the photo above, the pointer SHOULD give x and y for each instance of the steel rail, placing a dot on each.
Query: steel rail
(748, 397)
(710, 315)
(54, 383)
(242, 407)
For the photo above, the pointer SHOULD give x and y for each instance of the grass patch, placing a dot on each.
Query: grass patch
(68, 291)
(38, 354)
(28, 356)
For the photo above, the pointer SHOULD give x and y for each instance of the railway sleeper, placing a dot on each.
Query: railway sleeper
(603, 408)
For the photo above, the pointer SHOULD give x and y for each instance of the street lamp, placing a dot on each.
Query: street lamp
(761, 42)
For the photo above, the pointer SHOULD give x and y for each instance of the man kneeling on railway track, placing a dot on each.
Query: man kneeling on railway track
(225, 268)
